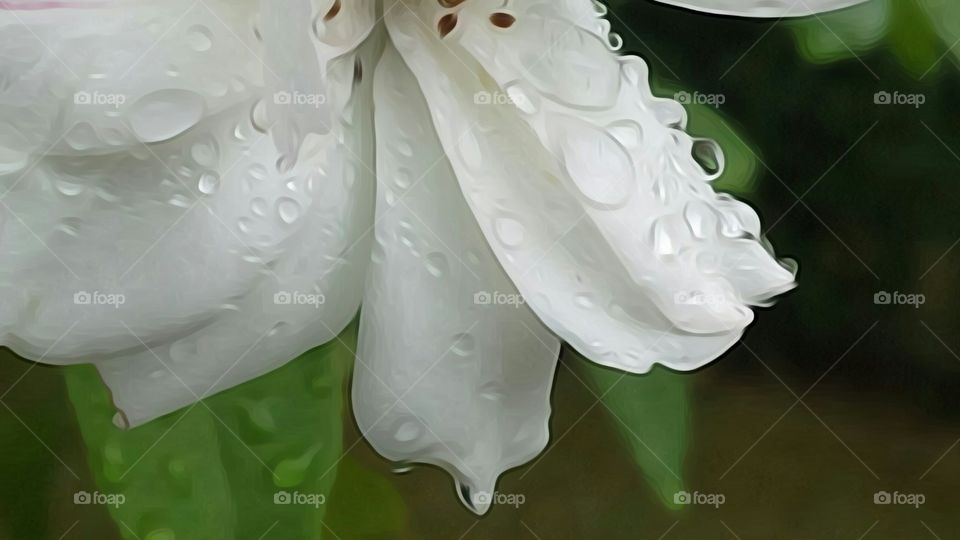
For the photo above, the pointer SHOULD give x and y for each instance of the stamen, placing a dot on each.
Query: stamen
(334, 10)
(502, 20)
(447, 23)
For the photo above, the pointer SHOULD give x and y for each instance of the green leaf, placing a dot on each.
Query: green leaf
(213, 470)
(844, 34)
(912, 38)
(651, 413)
(28, 471)
(944, 17)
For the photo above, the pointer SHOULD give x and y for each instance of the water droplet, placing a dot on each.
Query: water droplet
(179, 200)
(584, 300)
(257, 172)
(708, 154)
(258, 116)
(164, 114)
(209, 183)
(70, 189)
(662, 242)
(278, 329)
(199, 38)
(437, 264)
(285, 163)
(600, 168)
(701, 219)
(12, 161)
(206, 153)
(177, 468)
(509, 231)
(615, 41)
(523, 99)
(402, 178)
(408, 431)
(81, 136)
(463, 344)
(628, 133)
(113, 454)
(288, 210)
(259, 206)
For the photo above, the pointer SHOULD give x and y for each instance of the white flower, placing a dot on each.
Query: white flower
(195, 193)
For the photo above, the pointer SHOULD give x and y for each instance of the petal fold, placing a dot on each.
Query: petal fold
(586, 185)
(187, 265)
(453, 370)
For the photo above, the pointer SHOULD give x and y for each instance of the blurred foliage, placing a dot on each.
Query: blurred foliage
(652, 414)
(213, 470)
(839, 35)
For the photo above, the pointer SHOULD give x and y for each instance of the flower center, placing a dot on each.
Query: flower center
(448, 21)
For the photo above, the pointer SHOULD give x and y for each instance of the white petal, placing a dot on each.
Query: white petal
(295, 36)
(586, 189)
(185, 267)
(105, 76)
(764, 8)
(446, 375)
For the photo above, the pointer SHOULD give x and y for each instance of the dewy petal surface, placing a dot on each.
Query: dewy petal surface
(189, 262)
(584, 184)
(764, 8)
(451, 370)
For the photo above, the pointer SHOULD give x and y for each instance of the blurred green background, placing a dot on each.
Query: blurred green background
(830, 399)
